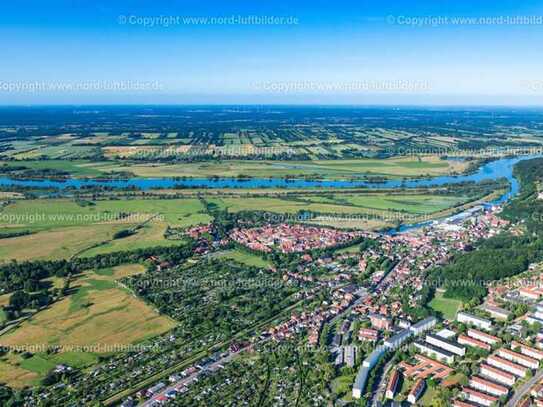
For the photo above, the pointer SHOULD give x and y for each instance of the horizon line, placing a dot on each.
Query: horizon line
(354, 105)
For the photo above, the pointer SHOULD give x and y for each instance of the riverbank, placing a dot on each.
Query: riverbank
(489, 171)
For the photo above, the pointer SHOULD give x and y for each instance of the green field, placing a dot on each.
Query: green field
(77, 168)
(399, 167)
(349, 249)
(97, 315)
(411, 203)
(59, 243)
(403, 167)
(152, 234)
(446, 306)
(244, 257)
(343, 203)
(428, 397)
(53, 213)
(64, 228)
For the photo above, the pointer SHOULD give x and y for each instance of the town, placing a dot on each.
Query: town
(271, 204)
(365, 314)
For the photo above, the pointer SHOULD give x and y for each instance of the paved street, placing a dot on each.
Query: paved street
(190, 378)
(223, 361)
(379, 393)
(524, 389)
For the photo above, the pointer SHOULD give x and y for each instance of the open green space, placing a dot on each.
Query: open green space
(244, 257)
(97, 316)
(448, 307)
(53, 213)
(76, 168)
(401, 167)
(65, 227)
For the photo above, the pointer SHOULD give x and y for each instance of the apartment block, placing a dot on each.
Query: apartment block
(460, 403)
(487, 386)
(474, 320)
(423, 325)
(451, 346)
(529, 293)
(479, 397)
(392, 386)
(433, 351)
(527, 350)
(379, 321)
(496, 312)
(519, 358)
(466, 340)
(497, 375)
(507, 366)
(416, 391)
(483, 336)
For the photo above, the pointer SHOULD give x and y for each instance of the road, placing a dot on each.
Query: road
(524, 389)
(226, 359)
(191, 378)
(379, 393)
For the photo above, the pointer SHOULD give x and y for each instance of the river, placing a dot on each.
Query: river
(502, 168)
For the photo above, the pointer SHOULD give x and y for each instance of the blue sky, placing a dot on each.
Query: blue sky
(362, 52)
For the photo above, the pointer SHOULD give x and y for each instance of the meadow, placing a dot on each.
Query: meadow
(398, 167)
(448, 307)
(98, 315)
(64, 228)
(43, 214)
(244, 257)
(342, 203)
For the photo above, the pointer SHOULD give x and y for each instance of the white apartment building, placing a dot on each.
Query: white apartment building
(487, 386)
(519, 358)
(451, 346)
(507, 366)
(497, 375)
(474, 320)
(483, 336)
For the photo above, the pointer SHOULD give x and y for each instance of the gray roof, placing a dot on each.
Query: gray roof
(361, 379)
(399, 338)
(447, 341)
(435, 349)
(423, 323)
(373, 357)
(475, 317)
(497, 310)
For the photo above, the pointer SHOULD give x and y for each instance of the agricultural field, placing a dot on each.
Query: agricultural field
(44, 214)
(60, 243)
(411, 203)
(76, 168)
(310, 132)
(97, 316)
(370, 211)
(402, 167)
(61, 228)
(150, 235)
(342, 203)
